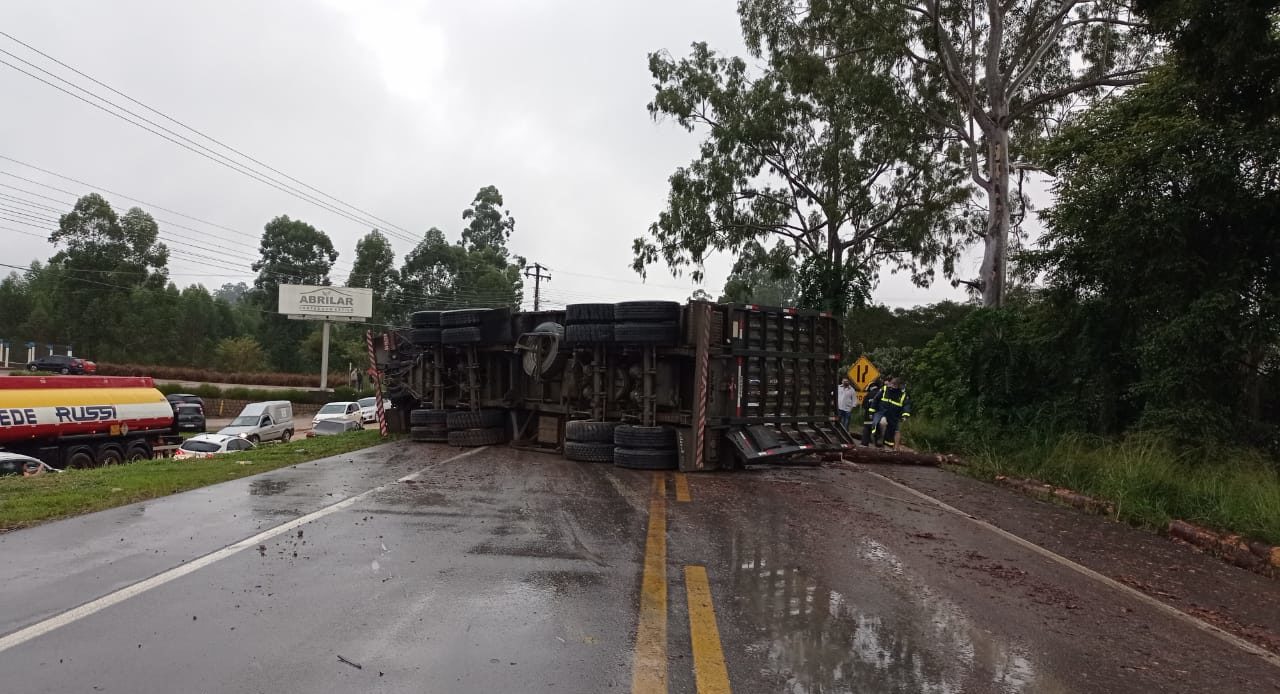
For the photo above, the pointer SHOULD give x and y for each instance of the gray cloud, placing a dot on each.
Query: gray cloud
(404, 108)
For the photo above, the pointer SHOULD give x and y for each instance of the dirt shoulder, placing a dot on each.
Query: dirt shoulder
(1234, 599)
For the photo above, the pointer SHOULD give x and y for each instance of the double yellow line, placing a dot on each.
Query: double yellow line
(649, 666)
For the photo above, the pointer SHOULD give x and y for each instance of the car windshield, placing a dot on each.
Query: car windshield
(334, 408)
(245, 420)
(201, 447)
(367, 402)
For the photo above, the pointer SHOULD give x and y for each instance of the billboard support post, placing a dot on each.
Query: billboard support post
(324, 355)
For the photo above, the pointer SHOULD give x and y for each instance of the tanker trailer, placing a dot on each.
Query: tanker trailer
(84, 421)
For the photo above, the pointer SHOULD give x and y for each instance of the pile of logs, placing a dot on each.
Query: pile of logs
(900, 456)
(1048, 492)
(1242, 552)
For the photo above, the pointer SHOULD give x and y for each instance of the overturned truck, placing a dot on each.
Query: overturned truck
(642, 384)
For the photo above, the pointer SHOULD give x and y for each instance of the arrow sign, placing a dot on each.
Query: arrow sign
(862, 373)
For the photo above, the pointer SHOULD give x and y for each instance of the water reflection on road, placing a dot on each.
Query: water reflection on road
(887, 633)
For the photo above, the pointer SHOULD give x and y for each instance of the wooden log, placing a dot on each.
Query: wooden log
(867, 454)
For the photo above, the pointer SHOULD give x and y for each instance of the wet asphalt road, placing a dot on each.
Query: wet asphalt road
(508, 571)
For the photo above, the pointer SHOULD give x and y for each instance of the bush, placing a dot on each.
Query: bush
(235, 353)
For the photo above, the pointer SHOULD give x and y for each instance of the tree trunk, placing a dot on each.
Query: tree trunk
(995, 251)
(836, 304)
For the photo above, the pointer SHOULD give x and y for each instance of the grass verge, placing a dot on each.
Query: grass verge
(1147, 478)
(32, 500)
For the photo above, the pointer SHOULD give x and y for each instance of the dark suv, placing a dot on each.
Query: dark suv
(57, 363)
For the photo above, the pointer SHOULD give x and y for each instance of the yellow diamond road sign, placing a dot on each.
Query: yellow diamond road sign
(862, 373)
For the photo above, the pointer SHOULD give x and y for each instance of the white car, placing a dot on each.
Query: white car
(369, 409)
(349, 411)
(16, 463)
(209, 445)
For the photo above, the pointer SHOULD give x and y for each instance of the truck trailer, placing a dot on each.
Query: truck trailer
(718, 385)
(84, 421)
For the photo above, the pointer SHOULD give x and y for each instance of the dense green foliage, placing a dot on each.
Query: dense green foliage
(106, 292)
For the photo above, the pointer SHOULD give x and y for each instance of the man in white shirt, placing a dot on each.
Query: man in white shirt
(846, 402)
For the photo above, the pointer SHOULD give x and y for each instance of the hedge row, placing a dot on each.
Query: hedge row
(205, 390)
(187, 373)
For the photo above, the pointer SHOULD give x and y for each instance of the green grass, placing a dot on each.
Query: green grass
(1150, 481)
(28, 501)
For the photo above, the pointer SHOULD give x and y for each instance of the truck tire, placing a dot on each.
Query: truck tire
(138, 450)
(471, 438)
(645, 459)
(634, 436)
(588, 333)
(646, 311)
(78, 457)
(583, 431)
(462, 336)
(425, 319)
(483, 419)
(109, 454)
(577, 314)
(429, 434)
(462, 318)
(425, 336)
(647, 333)
(588, 452)
(428, 418)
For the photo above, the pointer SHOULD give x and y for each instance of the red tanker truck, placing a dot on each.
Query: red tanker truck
(84, 421)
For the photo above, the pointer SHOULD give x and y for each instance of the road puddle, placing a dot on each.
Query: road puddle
(889, 634)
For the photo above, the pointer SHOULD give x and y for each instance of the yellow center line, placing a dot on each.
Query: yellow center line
(708, 656)
(649, 666)
(682, 487)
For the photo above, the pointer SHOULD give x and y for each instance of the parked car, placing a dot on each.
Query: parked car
(209, 445)
(189, 416)
(15, 463)
(263, 421)
(175, 398)
(89, 367)
(369, 409)
(329, 427)
(348, 411)
(58, 363)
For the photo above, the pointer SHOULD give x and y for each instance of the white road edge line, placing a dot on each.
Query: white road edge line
(62, 619)
(1085, 571)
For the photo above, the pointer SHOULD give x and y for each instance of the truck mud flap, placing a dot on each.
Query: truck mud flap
(780, 443)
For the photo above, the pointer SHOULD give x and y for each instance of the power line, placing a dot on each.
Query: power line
(200, 133)
(177, 139)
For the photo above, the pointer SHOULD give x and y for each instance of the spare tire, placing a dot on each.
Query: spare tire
(635, 436)
(425, 319)
(646, 311)
(647, 333)
(462, 317)
(589, 432)
(483, 419)
(588, 313)
(588, 452)
(428, 418)
(461, 336)
(425, 336)
(588, 334)
(470, 438)
(645, 459)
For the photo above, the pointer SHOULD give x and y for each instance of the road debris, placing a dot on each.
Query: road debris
(357, 666)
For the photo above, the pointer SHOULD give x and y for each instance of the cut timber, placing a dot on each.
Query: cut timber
(1255, 556)
(867, 454)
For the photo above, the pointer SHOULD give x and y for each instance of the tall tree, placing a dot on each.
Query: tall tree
(1001, 72)
(489, 225)
(428, 273)
(762, 277)
(292, 251)
(375, 268)
(103, 258)
(231, 293)
(812, 149)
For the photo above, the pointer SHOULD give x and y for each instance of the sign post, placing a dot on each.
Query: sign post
(329, 305)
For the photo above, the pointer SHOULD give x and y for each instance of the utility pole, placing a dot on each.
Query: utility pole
(537, 282)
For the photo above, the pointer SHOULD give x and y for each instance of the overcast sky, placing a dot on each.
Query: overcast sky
(403, 108)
